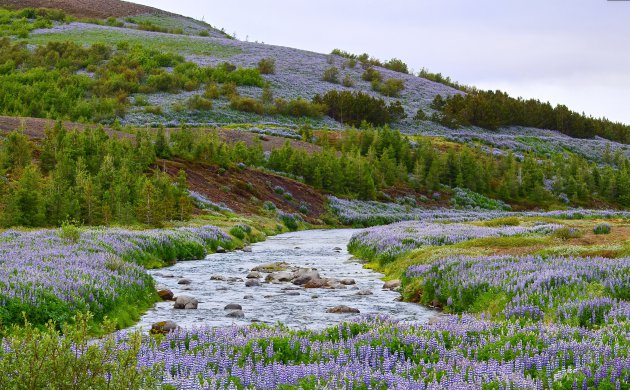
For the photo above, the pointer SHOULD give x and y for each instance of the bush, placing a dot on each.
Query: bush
(371, 74)
(204, 33)
(396, 65)
(246, 104)
(567, 233)
(278, 190)
(197, 102)
(300, 108)
(348, 81)
(331, 75)
(391, 87)
(420, 115)
(69, 231)
(602, 228)
(211, 91)
(237, 232)
(289, 220)
(355, 107)
(267, 66)
(229, 89)
(269, 205)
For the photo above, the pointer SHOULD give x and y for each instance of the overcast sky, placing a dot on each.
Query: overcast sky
(575, 52)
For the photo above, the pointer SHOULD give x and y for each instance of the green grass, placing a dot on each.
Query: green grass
(159, 42)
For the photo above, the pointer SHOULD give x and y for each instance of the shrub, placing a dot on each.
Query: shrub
(507, 221)
(246, 104)
(267, 66)
(396, 65)
(355, 107)
(278, 190)
(602, 228)
(211, 91)
(287, 196)
(69, 231)
(371, 74)
(237, 232)
(420, 115)
(567, 233)
(141, 101)
(331, 75)
(156, 110)
(204, 33)
(200, 103)
(348, 81)
(304, 208)
(391, 87)
(300, 108)
(269, 205)
(229, 89)
(289, 220)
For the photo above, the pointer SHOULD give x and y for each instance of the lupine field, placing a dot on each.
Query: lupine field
(47, 276)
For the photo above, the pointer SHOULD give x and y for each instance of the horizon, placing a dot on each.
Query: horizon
(568, 52)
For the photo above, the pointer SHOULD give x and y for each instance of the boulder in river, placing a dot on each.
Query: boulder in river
(186, 302)
(336, 248)
(184, 281)
(252, 283)
(305, 277)
(220, 249)
(166, 294)
(364, 292)
(254, 275)
(279, 277)
(163, 327)
(247, 249)
(316, 283)
(271, 267)
(233, 306)
(347, 281)
(218, 277)
(248, 296)
(391, 284)
(292, 293)
(342, 309)
(236, 314)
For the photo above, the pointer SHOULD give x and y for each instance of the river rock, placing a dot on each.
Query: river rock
(218, 277)
(248, 296)
(347, 281)
(233, 306)
(364, 292)
(391, 285)
(236, 314)
(166, 294)
(163, 327)
(272, 267)
(234, 279)
(342, 309)
(220, 249)
(292, 293)
(336, 248)
(222, 288)
(186, 302)
(316, 283)
(247, 249)
(254, 275)
(184, 281)
(279, 277)
(252, 283)
(303, 278)
(290, 288)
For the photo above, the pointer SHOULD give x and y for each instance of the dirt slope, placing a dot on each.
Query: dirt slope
(86, 8)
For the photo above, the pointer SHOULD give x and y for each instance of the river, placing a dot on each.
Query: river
(324, 250)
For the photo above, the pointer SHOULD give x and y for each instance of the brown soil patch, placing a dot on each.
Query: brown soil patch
(35, 128)
(86, 8)
(244, 191)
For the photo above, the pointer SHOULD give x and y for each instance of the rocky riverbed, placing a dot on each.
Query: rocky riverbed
(301, 279)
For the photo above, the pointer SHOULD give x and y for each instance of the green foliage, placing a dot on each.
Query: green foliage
(507, 221)
(38, 359)
(331, 75)
(267, 66)
(199, 103)
(567, 233)
(439, 78)
(394, 64)
(602, 228)
(372, 75)
(348, 81)
(238, 232)
(247, 104)
(495, 109)
(70, 232)
(20, 23)
(391, 87)
(354, 108)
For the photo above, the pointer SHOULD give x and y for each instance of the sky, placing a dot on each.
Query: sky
(572, 52)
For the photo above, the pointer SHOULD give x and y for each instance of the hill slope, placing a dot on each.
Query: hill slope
(86, 8)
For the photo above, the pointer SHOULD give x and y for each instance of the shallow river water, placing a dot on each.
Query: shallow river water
(272, 303)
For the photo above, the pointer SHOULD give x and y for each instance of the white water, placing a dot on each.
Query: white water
(272, 304)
